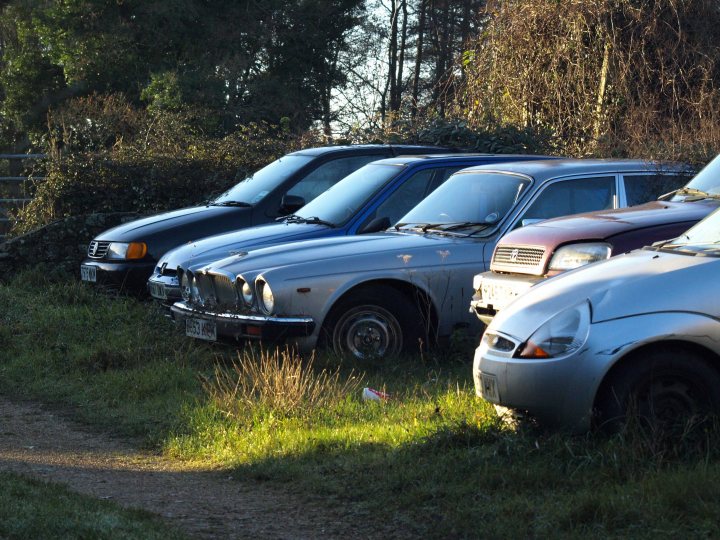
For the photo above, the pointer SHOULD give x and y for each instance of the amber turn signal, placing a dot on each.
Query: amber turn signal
(136, 250)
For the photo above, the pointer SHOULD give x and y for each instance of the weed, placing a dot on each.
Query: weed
(278, 381)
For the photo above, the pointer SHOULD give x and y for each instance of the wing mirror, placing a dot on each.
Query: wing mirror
(290, 204)
(376, 225)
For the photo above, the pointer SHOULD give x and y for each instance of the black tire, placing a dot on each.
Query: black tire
(375, 322)
(664, 389)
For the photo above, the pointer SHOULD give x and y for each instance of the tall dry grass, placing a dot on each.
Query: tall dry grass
(276, 380)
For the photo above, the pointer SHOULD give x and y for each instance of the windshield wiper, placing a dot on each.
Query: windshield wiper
(463, 225)
(314, 220)
(239, 204)
(448, 227)
(693, 192)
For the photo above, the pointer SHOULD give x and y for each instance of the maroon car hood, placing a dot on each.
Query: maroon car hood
(603, 224)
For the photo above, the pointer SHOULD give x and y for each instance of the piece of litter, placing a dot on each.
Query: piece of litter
(370, 394)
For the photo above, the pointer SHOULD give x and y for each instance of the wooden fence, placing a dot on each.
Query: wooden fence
(16, 177)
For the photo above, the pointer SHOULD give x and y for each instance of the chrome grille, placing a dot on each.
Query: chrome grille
(205, 286)
(515, 255)
(97, 250)
(225, 290)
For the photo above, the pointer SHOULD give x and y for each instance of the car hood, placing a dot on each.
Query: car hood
(604, 224)
(220, 246)
(644, 281)
(162, 232)
(356, 253)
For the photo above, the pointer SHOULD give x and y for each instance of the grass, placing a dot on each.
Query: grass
(32, 509)
(432, 460)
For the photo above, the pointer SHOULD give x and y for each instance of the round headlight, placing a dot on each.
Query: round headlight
(185, 286)
(267, 300)
(246, 291)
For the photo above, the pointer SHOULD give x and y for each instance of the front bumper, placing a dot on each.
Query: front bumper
(558, 392)
(494, 292)
(124, 276)
(239, 326)
(165, 289)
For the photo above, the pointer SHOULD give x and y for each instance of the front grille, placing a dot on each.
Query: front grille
(205, 286)
(225, 290)
(521, 256)
(98, 250)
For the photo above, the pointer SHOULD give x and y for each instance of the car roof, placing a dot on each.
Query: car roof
(419, 158)
(361, 148)
(545, 169)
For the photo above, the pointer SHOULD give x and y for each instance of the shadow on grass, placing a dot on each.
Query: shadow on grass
(470, 480)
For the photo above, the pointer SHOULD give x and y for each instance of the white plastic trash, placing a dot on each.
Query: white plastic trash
(370, 394)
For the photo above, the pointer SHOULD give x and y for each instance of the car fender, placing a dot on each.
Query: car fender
(615, 341)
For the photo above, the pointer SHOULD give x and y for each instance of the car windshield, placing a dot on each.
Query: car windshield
(469, 202)
(705, 184)
(704, 233)
(344, 199)
(254, 188)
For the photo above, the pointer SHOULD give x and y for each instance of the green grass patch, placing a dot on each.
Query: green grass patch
(432, 460)
(32, 509)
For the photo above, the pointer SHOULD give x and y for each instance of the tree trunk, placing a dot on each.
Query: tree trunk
(418, 59)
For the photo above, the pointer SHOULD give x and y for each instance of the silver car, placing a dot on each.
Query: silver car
(639, 332)
(379, 294)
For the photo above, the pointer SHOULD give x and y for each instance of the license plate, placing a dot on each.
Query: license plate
(201, 329)
(157, 290)
(499, 295)
(88, 273)
(488, 387)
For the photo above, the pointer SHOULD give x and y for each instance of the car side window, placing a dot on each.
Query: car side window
(571, 197)
(328, 174)
(641, 188)
(413, 190)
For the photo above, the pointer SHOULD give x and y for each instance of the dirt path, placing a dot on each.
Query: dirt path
(205, 504)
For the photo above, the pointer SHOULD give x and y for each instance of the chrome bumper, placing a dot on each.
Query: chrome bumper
(242, 326)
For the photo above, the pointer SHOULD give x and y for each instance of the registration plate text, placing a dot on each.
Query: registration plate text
(157, 290)
(88, 273)
(201, 329)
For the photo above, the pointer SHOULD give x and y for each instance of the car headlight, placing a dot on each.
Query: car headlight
(267, 300)
(126, 251)
(246, 291)
(184, 285)
(562, 334)
(576, 255)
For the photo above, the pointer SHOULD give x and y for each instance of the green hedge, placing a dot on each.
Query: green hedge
(151, 179)
(169, 163)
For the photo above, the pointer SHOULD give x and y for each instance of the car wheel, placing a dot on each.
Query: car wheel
(664, 389)
(374, 323)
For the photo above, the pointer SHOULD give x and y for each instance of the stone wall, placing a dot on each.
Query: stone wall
(61, 244)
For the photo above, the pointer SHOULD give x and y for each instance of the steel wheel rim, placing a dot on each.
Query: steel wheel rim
(670, 399)
(368, 332)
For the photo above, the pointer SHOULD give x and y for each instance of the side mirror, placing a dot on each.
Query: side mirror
(290, 204)
(376, 225)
